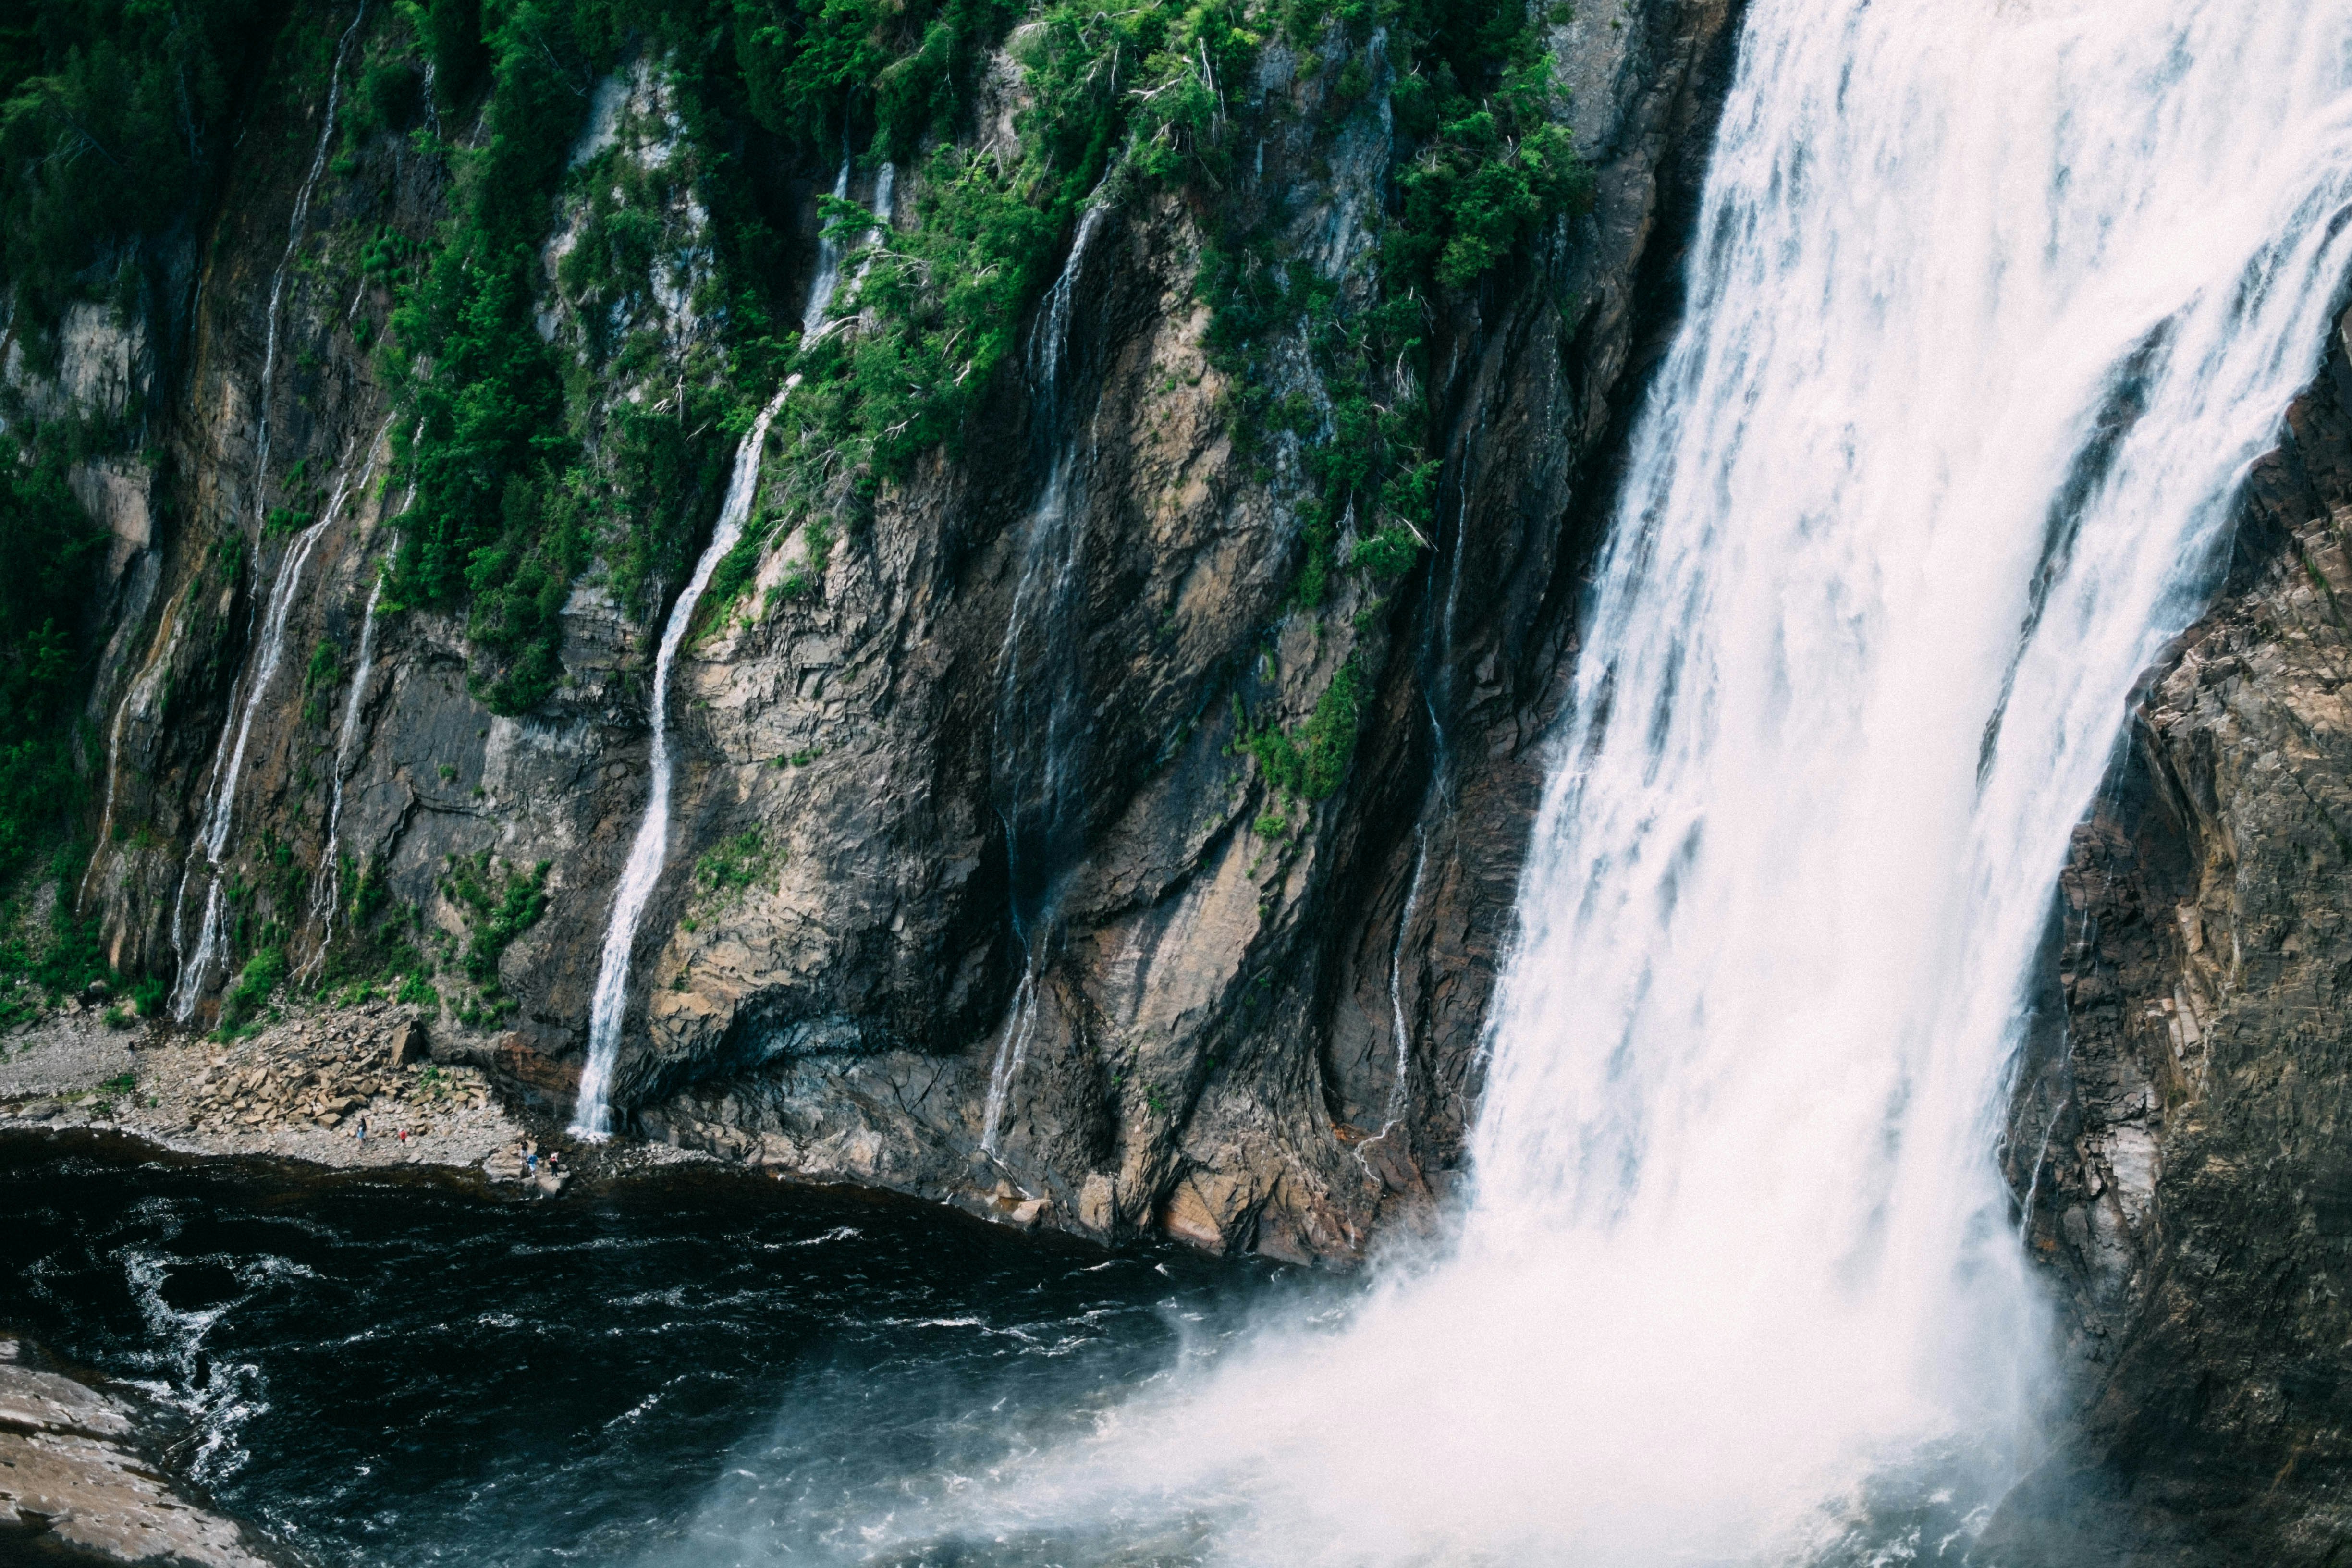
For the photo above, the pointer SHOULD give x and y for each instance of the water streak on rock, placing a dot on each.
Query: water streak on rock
(1040, 690)
(221, 802)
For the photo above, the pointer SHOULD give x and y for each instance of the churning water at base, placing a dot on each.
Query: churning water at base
(1993, 307)
(391, 1370)
(593, 1118)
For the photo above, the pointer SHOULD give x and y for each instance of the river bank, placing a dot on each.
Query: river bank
(349, 1088)
(78, 1486)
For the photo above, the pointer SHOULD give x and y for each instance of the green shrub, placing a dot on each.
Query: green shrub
(501, 902)
(1311, 764)
(724, 870)
(1388, 555)
(249, 992)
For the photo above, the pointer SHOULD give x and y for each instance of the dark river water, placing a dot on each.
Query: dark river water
(701, 1367)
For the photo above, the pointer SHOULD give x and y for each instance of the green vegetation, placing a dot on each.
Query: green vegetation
(500, 902)
(48, 558)
(377, 944)
(1310, 763)
(250, 992)
(728, 868)
(111, 118)
(319, 678)
(526, 470)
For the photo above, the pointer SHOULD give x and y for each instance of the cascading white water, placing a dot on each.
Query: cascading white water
(326, 884)
(608, 1005)
(346, 736)
(221, 800)
(212, 837)
(300, 215)
(1991, 309)
(1038, 683)
(828, 264)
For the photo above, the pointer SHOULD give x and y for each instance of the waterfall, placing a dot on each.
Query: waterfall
(346, 737)
(1990, 310)
(212, 838)
(221, 801)
(1040, 688)
(828, 262)
(327, 883)
(592, 1116)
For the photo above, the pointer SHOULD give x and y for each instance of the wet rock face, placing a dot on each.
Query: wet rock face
(1249, 1035)
(2180, 1141)
(1247, 1025)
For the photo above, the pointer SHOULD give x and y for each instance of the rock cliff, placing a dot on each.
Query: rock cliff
(2177, 1138)
(1191, 994)
(983, 878)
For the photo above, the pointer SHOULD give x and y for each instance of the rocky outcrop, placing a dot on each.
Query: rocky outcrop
(74, 1488)
(1249, 1023)
(1252, 1034)
(2177, 1137)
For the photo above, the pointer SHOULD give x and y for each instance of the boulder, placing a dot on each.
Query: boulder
(409, 1046)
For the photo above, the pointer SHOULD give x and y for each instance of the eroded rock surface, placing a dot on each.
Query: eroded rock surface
(1249, 1023)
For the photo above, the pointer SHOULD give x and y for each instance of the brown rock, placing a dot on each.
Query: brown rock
(409, 1048)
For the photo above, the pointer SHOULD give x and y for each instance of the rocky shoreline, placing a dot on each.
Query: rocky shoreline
(76, 1487)
(350, 1088)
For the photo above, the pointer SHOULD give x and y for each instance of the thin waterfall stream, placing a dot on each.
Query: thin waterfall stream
(326, 884)
(829, 252)
(220, 806)
(1040, 687)
(593, 1116)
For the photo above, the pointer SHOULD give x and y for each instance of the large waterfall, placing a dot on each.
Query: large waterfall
(1991, 307)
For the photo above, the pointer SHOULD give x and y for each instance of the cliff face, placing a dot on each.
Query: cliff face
(2177, 1137)
(1248, 1018)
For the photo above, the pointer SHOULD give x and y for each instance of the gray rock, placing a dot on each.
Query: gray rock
(409, 1045)
(2180, 1129)
(68, 1471)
